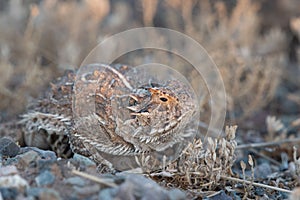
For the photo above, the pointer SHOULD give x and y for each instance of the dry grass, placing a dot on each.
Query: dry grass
(53, 35)
(42, 41)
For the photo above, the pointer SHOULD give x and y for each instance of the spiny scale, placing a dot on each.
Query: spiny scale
(128, 119)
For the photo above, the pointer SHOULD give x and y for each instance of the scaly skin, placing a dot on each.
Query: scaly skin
(127, 120)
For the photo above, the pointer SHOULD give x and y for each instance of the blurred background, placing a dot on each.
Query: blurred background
(255, 45)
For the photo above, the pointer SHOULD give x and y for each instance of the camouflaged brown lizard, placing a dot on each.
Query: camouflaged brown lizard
(128, 121)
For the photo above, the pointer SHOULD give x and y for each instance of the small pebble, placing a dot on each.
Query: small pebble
(14, 181)
(8, 170)
(107, 194)
(8, 193)
(8, 147)
(84, 160)
(176, 194)
(27, 158)
(42, 193)
(220, 196)
(49, 194)
(45, 178)
(34, 191)
(87, 190)
(44, 154)
(45, 164)
(137, 187)
(262, 171)
(259, 191)
(75, 181)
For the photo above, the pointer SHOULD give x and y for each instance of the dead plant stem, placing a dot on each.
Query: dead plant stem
(255, 184)
(266, 144)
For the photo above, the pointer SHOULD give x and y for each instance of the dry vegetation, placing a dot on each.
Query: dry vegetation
(40, 39)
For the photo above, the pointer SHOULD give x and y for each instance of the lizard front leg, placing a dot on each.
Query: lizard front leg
(47, 131)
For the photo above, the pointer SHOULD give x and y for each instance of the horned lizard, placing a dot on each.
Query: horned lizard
(127, 121)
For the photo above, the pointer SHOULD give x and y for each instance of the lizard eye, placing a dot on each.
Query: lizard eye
(163, 99)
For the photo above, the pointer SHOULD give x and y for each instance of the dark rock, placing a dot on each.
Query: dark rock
(27, 158)
(139, 187)
(75, 181)
(44, 154)
(8, 170)
(8, 193)
(34, 192)
(43, 193)
(84, 160)
(14, 181)
(259, 191)
(45, 178)
(49, 194)
(87, 190)
(23, 160)
(220, 196)
(10, 161)
(45, 164)
(284, 161)
(176, 194)
(107, 194)
(8, 147)
(262, 171)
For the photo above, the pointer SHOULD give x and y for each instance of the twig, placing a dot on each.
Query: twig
(256, 184)
(94, 178)
(266, 144)
(214, 194)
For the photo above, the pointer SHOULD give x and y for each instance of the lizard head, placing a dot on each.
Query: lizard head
(159, 114)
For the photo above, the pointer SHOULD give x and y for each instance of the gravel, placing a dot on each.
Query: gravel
(32, 173)
(45, 178)
(8, 147)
